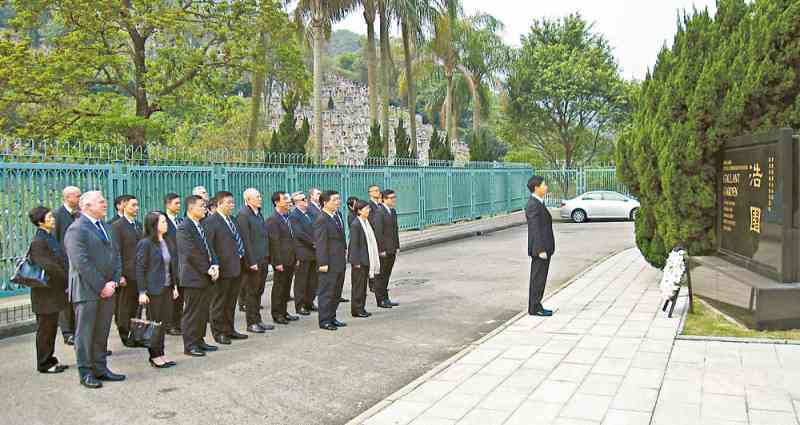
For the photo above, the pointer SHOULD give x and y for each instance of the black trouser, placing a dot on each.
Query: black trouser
(305, 284)
(92, 326)
(253, 283)
(66, 321)
(281, 284)
(126, 305)
(358, 288)
(46, 331)
(329, 293)
(159, 310)
(539, 269)
(175, 317)
(223, 305)
(195, 316)
(382, 280)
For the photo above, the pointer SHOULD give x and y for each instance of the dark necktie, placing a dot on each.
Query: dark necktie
(288, 224)
(102, 231)
(178, 220)
(338, 222)
(203, 238)
(138, 227)
(239, 243)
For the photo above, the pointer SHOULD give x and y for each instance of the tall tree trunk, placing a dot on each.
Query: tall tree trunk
(474, 89)
(384, 29)
(256, 96)
(410, 88)
(372, 60)
(137, 134)
(452, 122)
(318, 16)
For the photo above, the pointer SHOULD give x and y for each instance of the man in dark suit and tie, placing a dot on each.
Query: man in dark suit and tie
(314, 207)
(282, 257)
(198, 272)
(306, 278)
(388, 246)
(119, 207)
(541, 244)
(65, 215)
(376, 218)
(172, 207)
(226, 241)
(330, 246)
(127, 232)
(94, 270)
(253, 230)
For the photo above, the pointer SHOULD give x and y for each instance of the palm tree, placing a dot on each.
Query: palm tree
(383, 17)
(443, 47)
(321, 14)
(372, 60)
(413, 17)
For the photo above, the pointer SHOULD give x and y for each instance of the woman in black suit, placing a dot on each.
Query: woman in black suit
(363, 256)
(48, 302)
(156, 271)
(351, 209)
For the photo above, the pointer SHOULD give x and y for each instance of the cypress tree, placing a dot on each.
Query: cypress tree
(374, 142)
(402, 142)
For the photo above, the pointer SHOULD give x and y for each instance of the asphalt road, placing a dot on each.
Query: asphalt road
(450, 295)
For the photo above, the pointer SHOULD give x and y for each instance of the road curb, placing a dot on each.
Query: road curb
(387, 401)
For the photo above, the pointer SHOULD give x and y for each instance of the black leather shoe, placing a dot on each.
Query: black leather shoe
(222, 339)
(371, 284)
(111, 377)
(237, 335)
(70, 340)
(90, 381)
(291, 318)
(174, 332)
(255, 329)
(158, 366)
(195, 352)
(281, 320)
(344, 300)
(207, 348)
(57, 368)
(339, 324)
(266, 326)
(261, 307)
(303, 311)
(170, 363)
(109, 352)
(361, 314)
(312, 307)
(328, 326)
(543, 312)
(384, 304)
(129, 344)
(392, 303)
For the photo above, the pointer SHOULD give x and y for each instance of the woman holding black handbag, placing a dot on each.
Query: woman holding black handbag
(156, 271)
(47, 302)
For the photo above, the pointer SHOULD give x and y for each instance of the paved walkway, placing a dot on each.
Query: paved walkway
(608, 356)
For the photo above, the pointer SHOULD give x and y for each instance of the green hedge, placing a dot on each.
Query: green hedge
(733, 73)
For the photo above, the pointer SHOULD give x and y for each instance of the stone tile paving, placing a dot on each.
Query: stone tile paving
(607, 356)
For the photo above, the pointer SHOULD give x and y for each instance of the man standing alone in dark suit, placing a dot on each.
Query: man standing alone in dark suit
(172, 206)
(94, 270)
(305, 280)
(541, 244)
(65, 215)
(282, 256)
(198, 269)
(330, 246)
(127, 233)
(253, 230)
(226, 242)
(388, 245)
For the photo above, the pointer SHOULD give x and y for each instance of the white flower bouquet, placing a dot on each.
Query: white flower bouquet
(673, 273)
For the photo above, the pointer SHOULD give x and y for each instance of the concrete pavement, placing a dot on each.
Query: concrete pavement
(451, 295)
(608, 356)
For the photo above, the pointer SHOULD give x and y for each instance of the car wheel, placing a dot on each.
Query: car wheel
(634, 213)
(579, 216)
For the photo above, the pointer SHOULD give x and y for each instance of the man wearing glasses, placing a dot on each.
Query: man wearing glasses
(305, 278)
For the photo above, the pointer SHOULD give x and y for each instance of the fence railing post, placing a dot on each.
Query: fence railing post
(450, 197)
(422, 205)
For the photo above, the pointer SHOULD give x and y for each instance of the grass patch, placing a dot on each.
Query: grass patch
(707, 322)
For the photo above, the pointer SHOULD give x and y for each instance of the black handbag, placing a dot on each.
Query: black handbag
(29, 274)
(145, 333)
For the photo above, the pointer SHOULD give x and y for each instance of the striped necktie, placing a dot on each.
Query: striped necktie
(239, 243)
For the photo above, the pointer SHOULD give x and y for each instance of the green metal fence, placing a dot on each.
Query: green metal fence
(427, 196)
(569, 183)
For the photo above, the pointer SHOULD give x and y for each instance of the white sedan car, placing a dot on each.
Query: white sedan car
(599, 204)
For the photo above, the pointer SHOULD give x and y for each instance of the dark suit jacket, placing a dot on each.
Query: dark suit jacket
(357, 250)
(46, 251)
(253, 231)
(377, 218)
(389, 241)
(313, 211)
(303, 228)
(127, 236)
(281, 242)
(351, 216)
(193, 259)
(92, 260)
(330, 244)
(63, 220)
(223, 244)
(151, 272)
(172, 230)
(540, 229)
(114, 219)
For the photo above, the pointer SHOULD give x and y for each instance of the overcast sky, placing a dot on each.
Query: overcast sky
(636, 29)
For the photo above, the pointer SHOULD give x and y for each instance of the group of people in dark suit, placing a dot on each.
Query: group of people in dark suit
(187, 271)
